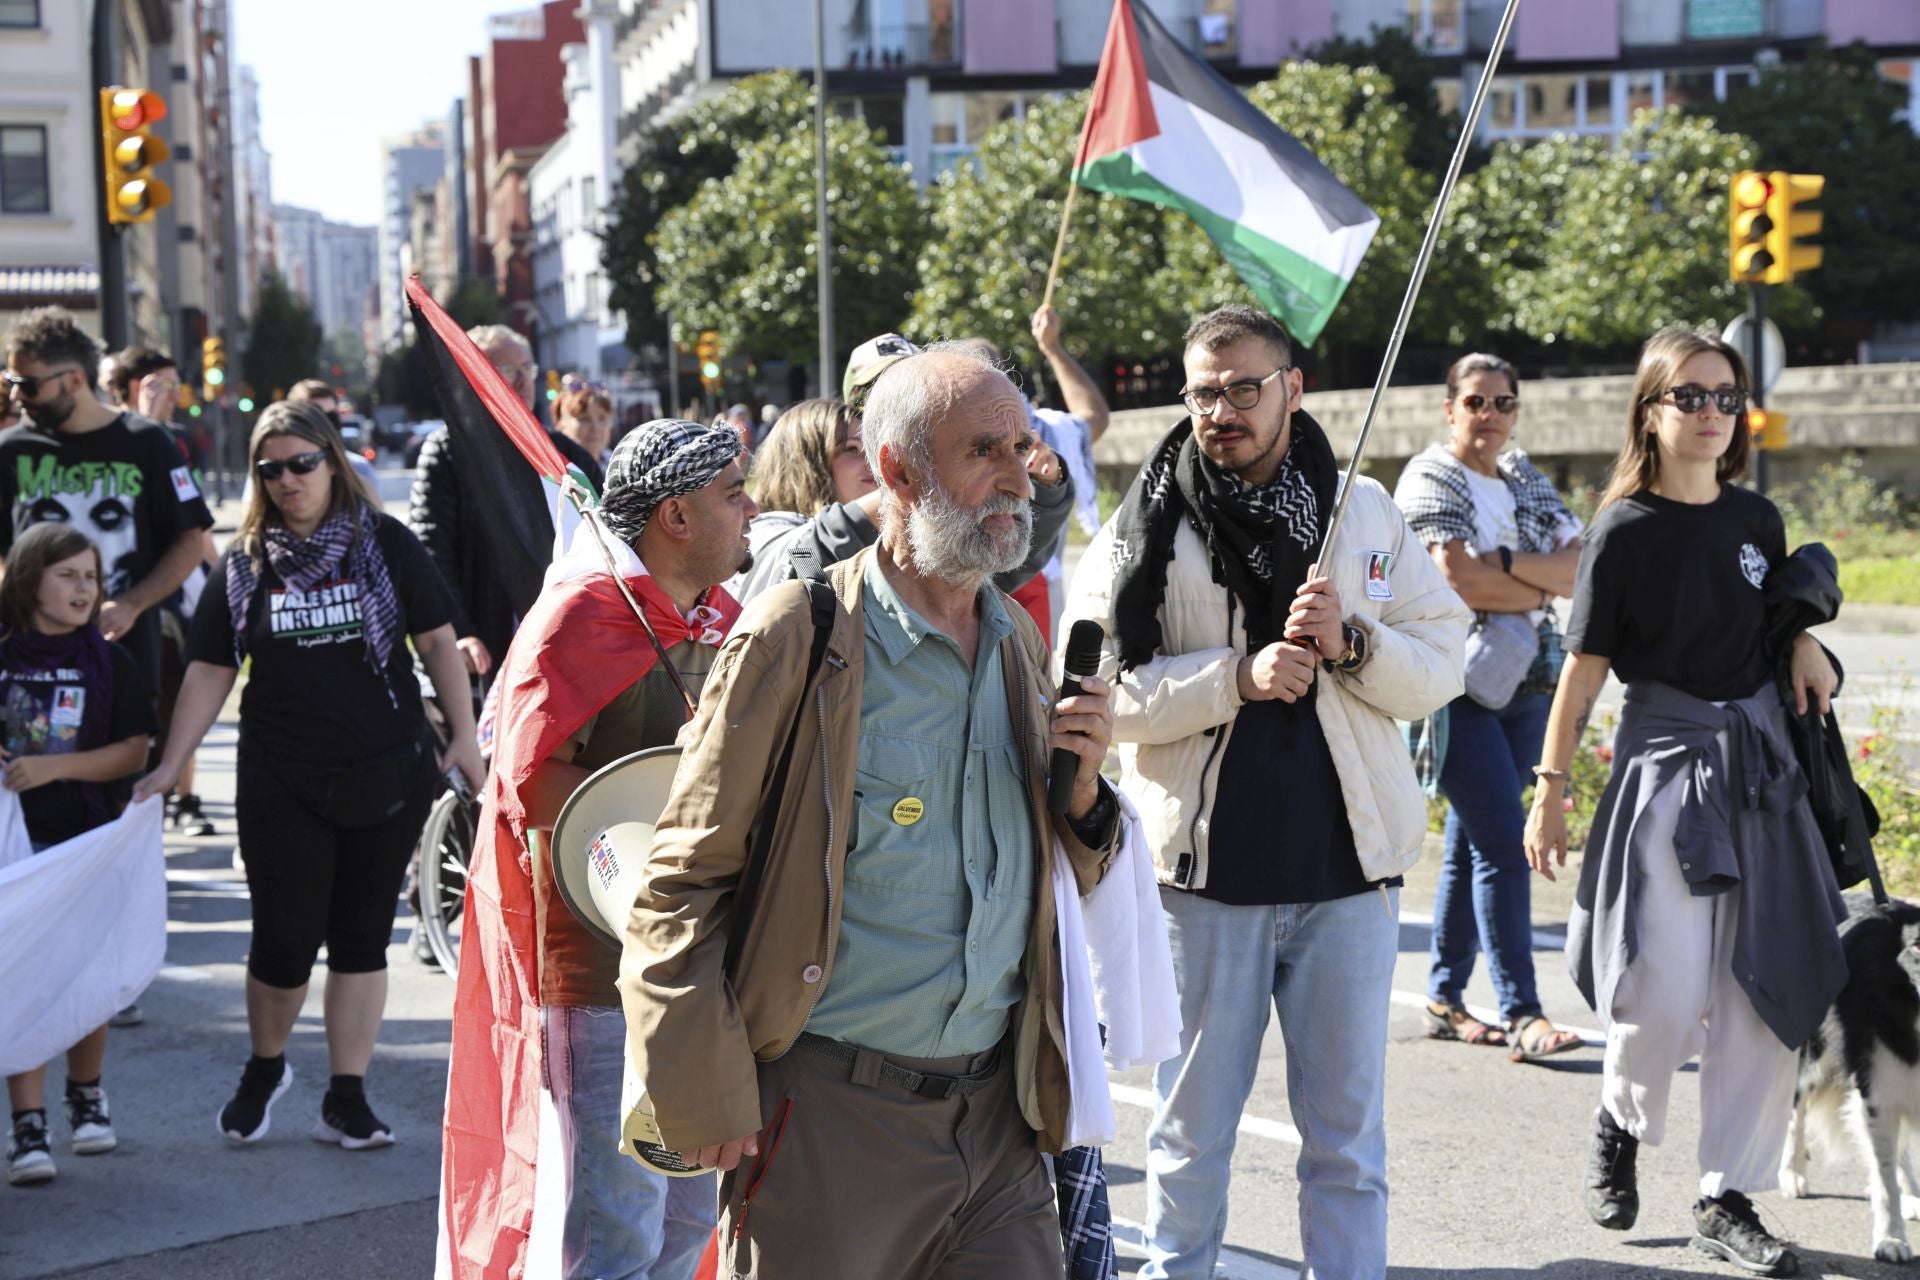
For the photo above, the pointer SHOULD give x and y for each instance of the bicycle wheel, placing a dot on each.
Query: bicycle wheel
(446, 845)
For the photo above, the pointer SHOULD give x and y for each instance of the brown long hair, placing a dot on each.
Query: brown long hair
(794, 469)
(34, 552)
(300, 418)
(1638, 465)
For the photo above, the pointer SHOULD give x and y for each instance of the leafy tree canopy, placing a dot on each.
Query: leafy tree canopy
(283, 338)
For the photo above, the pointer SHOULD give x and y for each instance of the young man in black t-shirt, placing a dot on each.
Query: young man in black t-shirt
(115, 475)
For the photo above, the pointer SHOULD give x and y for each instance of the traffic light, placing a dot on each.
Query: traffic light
(1769, 428)
(707, 351)
(1789, 223)
(213, 368)
(129, 153)
(553, 384)
(1749, 222)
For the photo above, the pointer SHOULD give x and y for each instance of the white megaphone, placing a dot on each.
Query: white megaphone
(599, 852)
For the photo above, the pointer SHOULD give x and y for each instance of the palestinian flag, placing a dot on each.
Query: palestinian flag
(1164, 127)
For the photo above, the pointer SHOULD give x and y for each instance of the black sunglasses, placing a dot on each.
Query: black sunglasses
(1688, 398)
(30, 387)
(1501, 404)
(1243, 394)
(301, 464)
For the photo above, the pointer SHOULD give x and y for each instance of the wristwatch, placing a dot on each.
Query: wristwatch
(1356, 651)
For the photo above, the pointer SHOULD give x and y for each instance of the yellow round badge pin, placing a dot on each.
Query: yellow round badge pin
(909, 811)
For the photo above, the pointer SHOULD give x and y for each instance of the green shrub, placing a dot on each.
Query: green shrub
(1880, 580)
(1883, 764)
(1854, 514)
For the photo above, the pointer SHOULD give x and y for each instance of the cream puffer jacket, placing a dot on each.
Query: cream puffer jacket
(1173, 714)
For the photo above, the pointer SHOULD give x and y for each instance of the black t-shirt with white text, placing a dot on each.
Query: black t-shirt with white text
(40, 714)
(312, 700)
(1671, 591)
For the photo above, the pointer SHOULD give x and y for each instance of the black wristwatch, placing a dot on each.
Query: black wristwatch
(1095, 831)
(1356, 650)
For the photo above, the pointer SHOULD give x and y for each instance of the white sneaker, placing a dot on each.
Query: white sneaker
(87, 1115)
(29, 1159)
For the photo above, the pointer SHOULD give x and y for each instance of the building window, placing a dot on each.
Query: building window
(1684, 87)
(19, 13)
(24, 185)
(1437, 25)
(589, 214)
(961, 121)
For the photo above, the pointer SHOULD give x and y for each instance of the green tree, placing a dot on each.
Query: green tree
(1835, 114)
(740, 257)
(1635, 235)
(995, 222)
(283, 339)
(1350, 119)
(404, 379)
(1432, 133)
(474, 302)
(674, 158)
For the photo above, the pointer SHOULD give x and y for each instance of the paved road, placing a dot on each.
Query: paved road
(1484, 1156)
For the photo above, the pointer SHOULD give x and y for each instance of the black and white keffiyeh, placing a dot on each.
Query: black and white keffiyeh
(344, 546)
(1287, 501)
(1437, 501)
(659, 460)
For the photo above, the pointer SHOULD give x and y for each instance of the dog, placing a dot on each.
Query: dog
(1860, 1074)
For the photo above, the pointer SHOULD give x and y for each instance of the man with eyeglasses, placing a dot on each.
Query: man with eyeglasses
(115, 475)
(453, 524)
(1255, 694)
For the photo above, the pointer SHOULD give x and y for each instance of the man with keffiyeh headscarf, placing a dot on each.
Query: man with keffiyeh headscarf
(1255, 693)
(585, 683)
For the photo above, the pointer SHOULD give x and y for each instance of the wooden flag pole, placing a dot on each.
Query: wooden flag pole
(1468, 128)
(1060, 241)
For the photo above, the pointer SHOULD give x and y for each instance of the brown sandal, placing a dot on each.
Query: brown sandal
(1453, 1022)
(1535, 1038)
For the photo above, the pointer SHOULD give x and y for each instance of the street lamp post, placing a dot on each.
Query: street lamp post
(823, 263)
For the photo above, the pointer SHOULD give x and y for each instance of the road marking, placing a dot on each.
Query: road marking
(1130, 1238)
(1492, 1018)
(182, 973)
(1258, 1126)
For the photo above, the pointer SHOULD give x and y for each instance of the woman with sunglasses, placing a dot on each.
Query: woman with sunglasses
(1508, 545)
(1705, 920)
(810, 460)
(320, 592)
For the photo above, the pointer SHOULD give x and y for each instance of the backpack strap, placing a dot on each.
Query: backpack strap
(821, 602)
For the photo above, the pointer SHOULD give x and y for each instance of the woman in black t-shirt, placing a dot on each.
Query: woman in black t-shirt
(74, 717)
(319, 593)
(1704, 920)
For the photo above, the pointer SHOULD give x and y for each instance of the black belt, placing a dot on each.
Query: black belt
(927, 1086)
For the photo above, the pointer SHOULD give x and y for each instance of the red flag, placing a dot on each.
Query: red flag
(579, 647)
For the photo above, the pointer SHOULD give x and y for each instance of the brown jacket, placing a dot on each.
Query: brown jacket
(694, 1036)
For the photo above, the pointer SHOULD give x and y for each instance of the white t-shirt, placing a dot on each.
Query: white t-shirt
(1497, 520)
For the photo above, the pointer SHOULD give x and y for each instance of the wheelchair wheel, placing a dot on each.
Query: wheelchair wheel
(446, 845)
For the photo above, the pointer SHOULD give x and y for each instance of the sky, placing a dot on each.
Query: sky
(340, 76)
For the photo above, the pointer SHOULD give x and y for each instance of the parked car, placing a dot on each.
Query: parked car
(357, 434)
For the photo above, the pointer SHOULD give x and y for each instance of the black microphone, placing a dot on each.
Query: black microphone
(1083, 659)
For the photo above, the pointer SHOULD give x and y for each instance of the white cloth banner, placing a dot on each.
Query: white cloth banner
(83, 929)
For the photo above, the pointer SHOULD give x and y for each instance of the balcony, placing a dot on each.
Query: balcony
(896, 46)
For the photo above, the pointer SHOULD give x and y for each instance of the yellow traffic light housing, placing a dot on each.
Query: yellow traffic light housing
(553, 384)
(1769, 428)
(213, 368)
(707, 351)
(129, 153)
(1749, 223)
(1789, 224)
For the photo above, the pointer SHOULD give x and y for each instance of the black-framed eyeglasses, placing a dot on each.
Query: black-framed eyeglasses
(1243, 394)
(1688, 398)
(1476, 402)
(301, 464)
(30, 387)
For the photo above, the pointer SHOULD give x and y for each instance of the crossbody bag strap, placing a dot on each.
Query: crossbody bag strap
(821, 602)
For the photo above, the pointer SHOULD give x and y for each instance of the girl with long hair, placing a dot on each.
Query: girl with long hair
(1705, 918)
(75, 715)
(319, 594)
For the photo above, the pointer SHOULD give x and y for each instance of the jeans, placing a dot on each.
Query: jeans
(1328, 969)
(1490, 759)
(623, 1222)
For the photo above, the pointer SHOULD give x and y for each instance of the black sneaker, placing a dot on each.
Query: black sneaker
(246, 1117)
(188, 819)
(1613, 1186)
(87, 1117)
(29, 1158)
(349, 1122)
(1729, 1229)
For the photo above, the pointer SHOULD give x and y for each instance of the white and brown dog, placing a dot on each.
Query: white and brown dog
(1860, 1074)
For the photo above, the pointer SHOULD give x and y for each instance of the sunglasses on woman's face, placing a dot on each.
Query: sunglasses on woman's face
(301, 464)
(1688, 398)
(1501, 404)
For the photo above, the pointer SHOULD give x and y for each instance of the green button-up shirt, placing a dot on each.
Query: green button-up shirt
(938, 892)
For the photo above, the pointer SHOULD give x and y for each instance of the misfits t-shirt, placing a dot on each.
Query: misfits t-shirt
(1671, 591)
(312, 700)
(40, 714)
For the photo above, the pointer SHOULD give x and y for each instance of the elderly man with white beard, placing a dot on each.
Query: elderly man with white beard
(841, 977)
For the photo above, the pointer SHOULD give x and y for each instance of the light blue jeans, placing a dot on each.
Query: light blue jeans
(623, 1222)
(1327, 967)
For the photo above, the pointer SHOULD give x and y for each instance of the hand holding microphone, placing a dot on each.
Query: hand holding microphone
(1082, 725)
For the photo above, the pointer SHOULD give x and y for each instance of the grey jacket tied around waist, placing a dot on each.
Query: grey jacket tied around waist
(1743, 823)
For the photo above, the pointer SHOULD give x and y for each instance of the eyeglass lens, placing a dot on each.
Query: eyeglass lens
(1691, 399)
(1501, 404)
